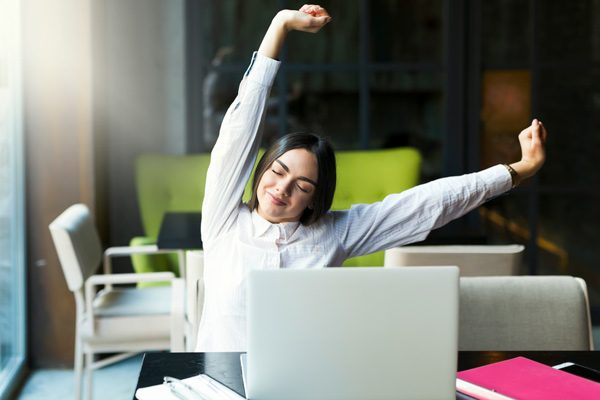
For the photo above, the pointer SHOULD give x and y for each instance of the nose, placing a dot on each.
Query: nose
(284, 186)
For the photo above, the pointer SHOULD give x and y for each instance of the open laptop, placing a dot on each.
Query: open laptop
(352, 333)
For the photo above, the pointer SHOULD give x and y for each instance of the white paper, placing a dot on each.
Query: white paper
(203, 384)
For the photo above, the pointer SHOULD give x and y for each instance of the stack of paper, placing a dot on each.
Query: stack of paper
(201, 387)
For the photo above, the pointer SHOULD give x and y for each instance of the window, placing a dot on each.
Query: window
(542, 59)
(358, 82)
(458, 80)
(12, 249)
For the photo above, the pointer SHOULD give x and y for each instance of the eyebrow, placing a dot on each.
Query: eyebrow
(302, 178)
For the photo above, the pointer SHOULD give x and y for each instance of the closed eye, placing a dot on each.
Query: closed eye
(300, 187)
(276, 173)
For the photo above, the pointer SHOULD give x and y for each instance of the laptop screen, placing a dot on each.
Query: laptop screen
(353, 333)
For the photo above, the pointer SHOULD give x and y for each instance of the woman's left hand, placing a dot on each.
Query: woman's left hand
(533, 151)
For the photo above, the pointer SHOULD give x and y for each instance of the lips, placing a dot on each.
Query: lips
(275, 200)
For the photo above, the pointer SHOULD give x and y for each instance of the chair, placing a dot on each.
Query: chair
(365, 177)
(473, 260)
(194, 287)
(167, 183)
(511, 313)
(170, 183)
(123, 320)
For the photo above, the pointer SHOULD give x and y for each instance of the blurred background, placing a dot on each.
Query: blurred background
(86, 85)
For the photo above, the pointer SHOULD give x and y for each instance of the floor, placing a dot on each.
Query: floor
(116, 382)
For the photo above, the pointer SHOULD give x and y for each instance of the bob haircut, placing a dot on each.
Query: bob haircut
(326, 171)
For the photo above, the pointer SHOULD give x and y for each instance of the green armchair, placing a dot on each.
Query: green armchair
(167, 183)
(368, 176)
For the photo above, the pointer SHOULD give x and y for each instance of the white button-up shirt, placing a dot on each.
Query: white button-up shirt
(238, 240)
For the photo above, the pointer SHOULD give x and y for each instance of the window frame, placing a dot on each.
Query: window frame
(11, 375)
(462, 67)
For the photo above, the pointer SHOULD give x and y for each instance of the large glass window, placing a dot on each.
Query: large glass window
(459, 81)
(12, 310)
(540, 59)
(373, 79)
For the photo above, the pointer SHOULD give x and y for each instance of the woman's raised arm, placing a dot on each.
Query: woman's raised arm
(310, 18)
(234, 153)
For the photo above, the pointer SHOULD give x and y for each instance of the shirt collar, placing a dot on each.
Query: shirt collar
(262, 226)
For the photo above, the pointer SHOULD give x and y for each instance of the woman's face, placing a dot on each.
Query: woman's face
(288, 186)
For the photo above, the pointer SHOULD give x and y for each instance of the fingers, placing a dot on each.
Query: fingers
(532, 139)
(533, 153)
(315, 11)
(543, 132)
(323, 20)
(309, 18)
(535, 134)
(310, 8)
(538, 133)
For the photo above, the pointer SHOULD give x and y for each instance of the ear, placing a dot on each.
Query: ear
(311, 207)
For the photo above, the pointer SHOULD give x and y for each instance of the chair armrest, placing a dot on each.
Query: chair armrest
(129, 250)
(584, 290)
(96, 280)
(193, 312)
(177, 315)
(194, 296)
(122, 251)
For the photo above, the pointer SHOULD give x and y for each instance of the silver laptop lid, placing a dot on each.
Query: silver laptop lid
(353, 333)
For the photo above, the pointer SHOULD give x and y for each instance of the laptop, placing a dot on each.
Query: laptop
(352, 333)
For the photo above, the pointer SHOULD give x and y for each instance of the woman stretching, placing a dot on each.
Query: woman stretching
(288, 222)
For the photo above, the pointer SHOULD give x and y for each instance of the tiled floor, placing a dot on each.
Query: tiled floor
(116, 382)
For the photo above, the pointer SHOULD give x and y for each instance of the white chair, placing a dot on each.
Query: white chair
(194, 288)
(473, 260)
(123, 320)
(511, 313)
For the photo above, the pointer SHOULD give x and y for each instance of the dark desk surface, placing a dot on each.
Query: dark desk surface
(180, 230)
(225, 367)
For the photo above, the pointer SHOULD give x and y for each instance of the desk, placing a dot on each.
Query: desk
(225, 367)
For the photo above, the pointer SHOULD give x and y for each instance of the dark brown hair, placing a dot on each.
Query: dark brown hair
(326, 179)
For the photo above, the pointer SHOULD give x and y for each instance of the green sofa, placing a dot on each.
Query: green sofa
(368, 176)
(167, 183)
(176, 183)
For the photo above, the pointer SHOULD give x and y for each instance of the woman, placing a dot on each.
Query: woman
(287, 223)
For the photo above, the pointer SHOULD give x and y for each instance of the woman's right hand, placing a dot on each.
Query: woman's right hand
(310, 18)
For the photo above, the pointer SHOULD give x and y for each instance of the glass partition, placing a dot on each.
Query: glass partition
(325, 104)
(12, 249)
(539, 59)
(374, 77)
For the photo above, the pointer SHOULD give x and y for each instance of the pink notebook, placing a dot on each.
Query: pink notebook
(524, 379)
